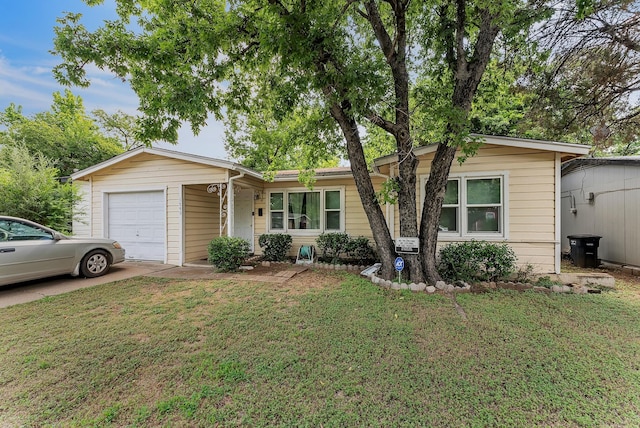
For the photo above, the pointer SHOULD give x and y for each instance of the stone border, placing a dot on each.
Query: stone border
(463, 287)
(458, 287)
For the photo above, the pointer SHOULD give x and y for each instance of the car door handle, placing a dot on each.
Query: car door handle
(7, 250)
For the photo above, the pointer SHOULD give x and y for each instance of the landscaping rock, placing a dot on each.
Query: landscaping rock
(440, 285)
(430, 289)
(417, 287)
(561, 289)
(396, 286)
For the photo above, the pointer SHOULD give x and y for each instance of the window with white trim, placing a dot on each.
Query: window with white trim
(295, 210)
(473, 205)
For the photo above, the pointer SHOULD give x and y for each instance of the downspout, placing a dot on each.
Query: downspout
(231, 202)
(558, 231)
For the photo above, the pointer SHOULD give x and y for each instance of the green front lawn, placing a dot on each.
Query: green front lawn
(325, 349)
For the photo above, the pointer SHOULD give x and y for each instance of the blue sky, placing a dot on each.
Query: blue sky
(26, 37)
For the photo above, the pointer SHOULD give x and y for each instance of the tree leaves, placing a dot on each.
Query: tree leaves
(66, 135)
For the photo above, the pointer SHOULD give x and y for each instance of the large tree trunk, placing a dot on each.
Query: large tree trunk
(430, 220)
(467, 76)
(407, 210)
(377, 221)
(394, 48)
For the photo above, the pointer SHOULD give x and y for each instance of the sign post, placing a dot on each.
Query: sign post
(399, 264)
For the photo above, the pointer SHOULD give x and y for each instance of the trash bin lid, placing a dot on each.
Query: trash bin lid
(584, 236)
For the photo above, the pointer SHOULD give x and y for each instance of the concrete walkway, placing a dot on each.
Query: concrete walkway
(34, 290)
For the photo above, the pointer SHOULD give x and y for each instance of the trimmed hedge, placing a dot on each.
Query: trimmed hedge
(333, 246)
(275, 246)
(227, 253)
(476, 261)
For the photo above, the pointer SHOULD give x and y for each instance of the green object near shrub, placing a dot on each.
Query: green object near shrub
(227, 253)
(275, 246)
(476, 261)
(546, 281)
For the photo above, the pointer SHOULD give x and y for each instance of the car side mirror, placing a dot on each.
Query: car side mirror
(57, 236)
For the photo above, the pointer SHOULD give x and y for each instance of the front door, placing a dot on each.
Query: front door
(243, 216)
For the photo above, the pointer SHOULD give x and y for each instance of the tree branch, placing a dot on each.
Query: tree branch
(386, 44)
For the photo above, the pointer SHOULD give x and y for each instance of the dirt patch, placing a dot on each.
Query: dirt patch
(271, 269)
(302, 282)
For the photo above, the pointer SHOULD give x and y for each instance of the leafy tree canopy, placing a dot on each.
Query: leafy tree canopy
(120, 126)
(29, 188)
(65, 135)
(588, 91)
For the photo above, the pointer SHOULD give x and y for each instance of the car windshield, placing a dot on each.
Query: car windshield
(11, 230)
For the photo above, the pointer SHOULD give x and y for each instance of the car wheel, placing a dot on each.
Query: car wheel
(94, 264)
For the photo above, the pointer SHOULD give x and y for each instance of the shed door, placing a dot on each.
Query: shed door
(137, 221)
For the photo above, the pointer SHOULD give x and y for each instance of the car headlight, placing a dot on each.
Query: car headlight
(117, 245)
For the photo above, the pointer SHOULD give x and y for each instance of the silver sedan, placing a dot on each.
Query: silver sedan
(30, 251)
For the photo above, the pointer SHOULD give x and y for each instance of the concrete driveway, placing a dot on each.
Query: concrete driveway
(34, 290)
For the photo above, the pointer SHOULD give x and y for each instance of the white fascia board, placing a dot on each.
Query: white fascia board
(166, 153)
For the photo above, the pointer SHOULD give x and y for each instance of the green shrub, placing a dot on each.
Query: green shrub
(331, 245)
(476, 260)
(360, 250)
(227, 253)
(275, 246)
(29, 188)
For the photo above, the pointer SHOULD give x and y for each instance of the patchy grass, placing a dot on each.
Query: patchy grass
(324, 349)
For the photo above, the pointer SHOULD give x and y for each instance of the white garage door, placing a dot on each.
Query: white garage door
(137, 221)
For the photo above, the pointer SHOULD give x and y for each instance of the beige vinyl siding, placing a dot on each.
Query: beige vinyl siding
(201, 221)
(150, 172)
(530, 199)
(355, 219)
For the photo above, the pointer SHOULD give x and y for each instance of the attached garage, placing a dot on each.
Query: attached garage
(160, 206)
(138, 221)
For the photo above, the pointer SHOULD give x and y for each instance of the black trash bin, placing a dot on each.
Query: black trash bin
(584, 250)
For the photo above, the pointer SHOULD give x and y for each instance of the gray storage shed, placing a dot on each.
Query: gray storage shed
(601, 196)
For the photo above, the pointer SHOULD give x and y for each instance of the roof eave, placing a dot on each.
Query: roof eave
(570, 150)
(166, 153)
